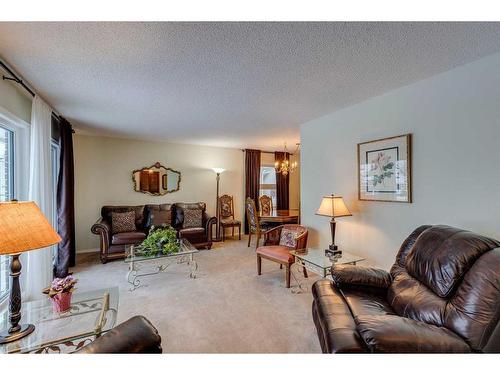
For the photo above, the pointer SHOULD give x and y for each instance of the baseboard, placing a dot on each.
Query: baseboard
(85, 251)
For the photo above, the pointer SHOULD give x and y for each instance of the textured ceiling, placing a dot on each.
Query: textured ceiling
(228, 84)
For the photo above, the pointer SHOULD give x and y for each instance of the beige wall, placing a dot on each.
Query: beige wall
(103, 169)
(455, 121)
(15, 100)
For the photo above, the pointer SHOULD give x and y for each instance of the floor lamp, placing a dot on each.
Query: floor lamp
(218, 171)
(22, 228)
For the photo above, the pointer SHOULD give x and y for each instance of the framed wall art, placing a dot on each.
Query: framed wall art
(384, 169)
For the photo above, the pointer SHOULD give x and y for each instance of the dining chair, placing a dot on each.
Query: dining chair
(266, 204)
(278, 242)
(253, 221)
(226, 215)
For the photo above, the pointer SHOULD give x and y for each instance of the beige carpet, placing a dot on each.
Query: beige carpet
(226, 309)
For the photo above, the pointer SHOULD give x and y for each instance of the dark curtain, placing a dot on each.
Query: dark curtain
(65, 202)
(252, 178)
(282, 182)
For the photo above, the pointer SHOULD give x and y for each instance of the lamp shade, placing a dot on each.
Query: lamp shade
(218, 170)
(23, 227)
(333, 206)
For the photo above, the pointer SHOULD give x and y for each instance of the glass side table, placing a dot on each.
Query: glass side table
(315, 260)
(157, 263)
(91, 314)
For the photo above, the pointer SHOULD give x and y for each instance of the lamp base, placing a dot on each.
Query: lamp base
(333, 247)
(6, 336)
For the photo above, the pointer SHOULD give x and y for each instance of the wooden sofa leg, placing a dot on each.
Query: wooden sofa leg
(287, 276)
(259, 265)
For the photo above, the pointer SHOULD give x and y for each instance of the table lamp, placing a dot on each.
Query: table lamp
(218, 171)
(22, 228)
(333, 206)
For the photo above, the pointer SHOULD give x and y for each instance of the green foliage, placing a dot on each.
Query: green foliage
(162, 240)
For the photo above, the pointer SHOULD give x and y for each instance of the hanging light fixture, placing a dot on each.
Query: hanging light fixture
(284, 167)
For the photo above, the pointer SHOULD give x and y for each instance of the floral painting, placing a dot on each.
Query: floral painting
(384, 173)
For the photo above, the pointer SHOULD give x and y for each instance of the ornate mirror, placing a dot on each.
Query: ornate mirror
(156, 180)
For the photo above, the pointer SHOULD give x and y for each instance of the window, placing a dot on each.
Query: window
(268, 182)
(6, 194)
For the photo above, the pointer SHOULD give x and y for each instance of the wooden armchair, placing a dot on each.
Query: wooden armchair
(278, 242)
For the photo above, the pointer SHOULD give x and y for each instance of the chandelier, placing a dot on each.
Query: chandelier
(284, 167)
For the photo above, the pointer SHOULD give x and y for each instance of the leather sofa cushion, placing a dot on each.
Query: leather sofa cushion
(281, 253)
(193, 235)
(158, 218)
(396, 334)
(347, 274)
(128, 238)
(441, 256)
(334, 321)
(362, 303)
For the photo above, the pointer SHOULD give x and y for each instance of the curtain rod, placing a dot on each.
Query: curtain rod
(15, 78)
(18, 80)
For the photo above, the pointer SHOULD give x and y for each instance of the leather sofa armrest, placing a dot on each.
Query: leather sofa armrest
(396, 334)
(272, 236)
(349, 276)
(136, 335)
(102, 228)
(208, 221)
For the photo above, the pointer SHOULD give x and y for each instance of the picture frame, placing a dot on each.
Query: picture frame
(384, 169)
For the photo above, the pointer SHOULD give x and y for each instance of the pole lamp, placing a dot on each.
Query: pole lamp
(218, 171)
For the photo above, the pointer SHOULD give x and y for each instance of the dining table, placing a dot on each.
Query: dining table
(280, 216)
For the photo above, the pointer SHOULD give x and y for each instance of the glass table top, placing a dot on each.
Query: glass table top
(91, 313)
(318, 258)
(135, 254)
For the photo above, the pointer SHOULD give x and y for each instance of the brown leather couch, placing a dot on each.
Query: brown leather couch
(112, 246)
(442, 295)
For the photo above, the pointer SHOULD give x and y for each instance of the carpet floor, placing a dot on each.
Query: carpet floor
(226, 309)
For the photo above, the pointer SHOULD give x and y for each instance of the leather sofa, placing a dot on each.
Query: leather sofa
(442, 295)
(112, 246)
(135, 336)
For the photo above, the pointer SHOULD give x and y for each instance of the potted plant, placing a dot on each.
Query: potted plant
(159, 241)
(60, 291)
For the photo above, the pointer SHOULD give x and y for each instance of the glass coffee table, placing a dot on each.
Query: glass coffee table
(91, 314)
(154, 264)
(315, 260)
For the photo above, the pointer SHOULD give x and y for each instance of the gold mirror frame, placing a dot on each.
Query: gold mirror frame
(157, 165)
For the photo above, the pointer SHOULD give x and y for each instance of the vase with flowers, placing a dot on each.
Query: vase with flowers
(60, 291)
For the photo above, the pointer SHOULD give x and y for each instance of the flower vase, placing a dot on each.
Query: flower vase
(61, 302)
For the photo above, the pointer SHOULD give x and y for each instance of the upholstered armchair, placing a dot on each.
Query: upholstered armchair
(278, 243)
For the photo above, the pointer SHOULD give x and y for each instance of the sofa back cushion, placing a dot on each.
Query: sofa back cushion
(123, 222)
(442, 255)
(474, 310)
(158, 215)
(139, 213)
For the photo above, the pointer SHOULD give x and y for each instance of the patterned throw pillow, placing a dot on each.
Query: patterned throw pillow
(193, 218)
(288, 238)
(123, 222)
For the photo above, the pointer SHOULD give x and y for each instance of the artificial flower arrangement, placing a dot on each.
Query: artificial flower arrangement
(60, 291)
(161, 240)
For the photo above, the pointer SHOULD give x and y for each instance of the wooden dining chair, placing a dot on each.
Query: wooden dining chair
(266, 204)
(253, 221)
(226, 215)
